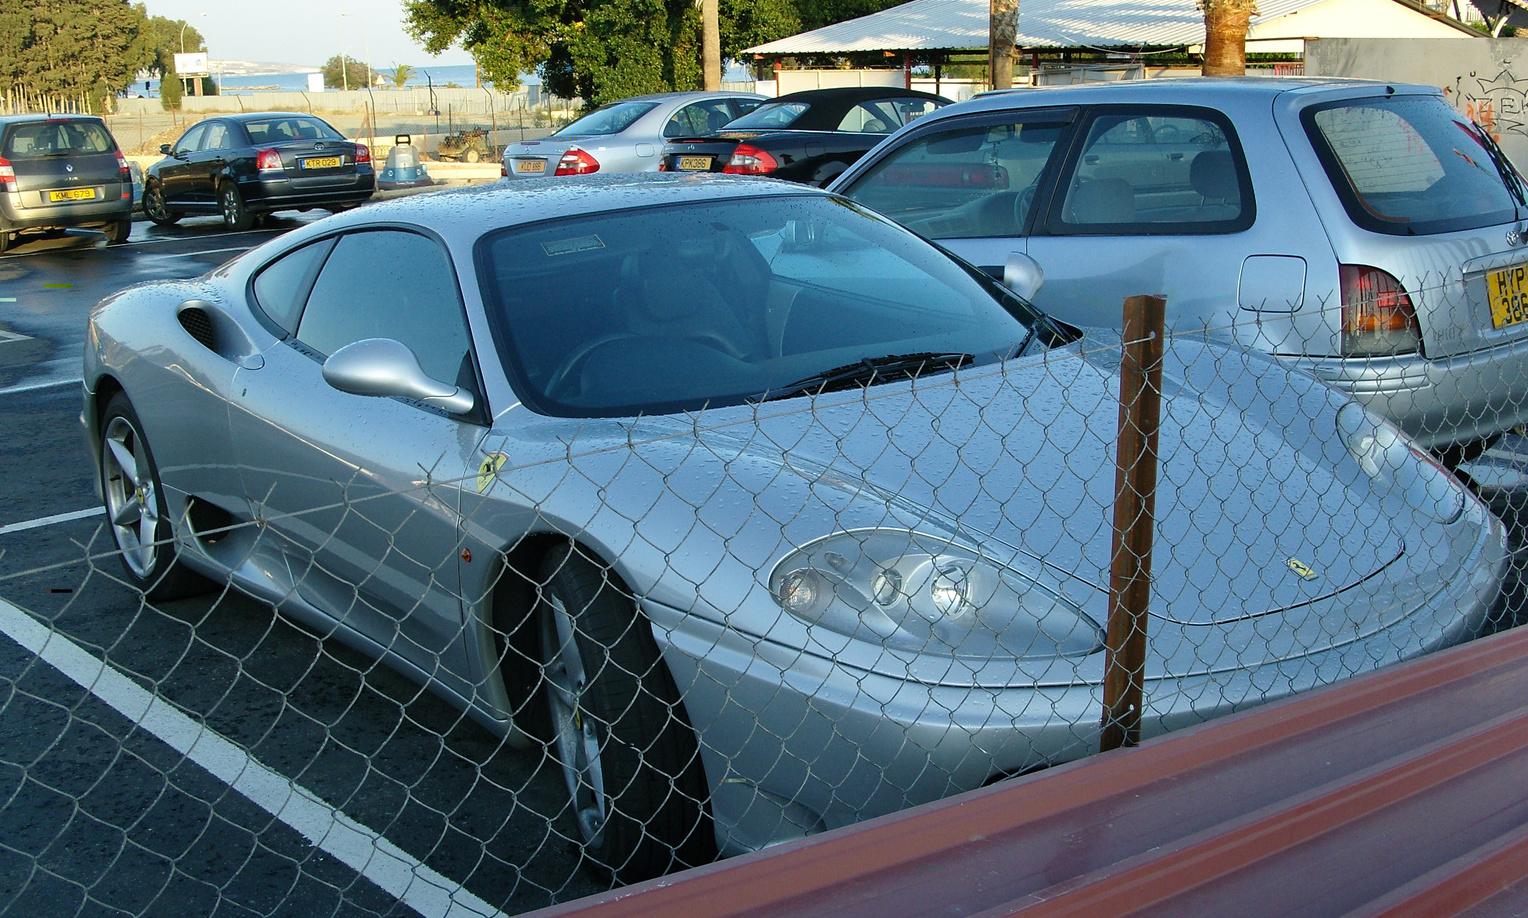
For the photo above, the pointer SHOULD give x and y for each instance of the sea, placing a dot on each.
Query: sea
(424, 75)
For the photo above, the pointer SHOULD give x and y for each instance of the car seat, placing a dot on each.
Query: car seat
(1213, 177)
(1110, 200)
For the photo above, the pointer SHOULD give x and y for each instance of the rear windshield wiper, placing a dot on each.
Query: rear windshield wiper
(867, 371)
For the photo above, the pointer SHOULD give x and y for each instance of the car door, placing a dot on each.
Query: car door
(361, 493)
(972, 183)
(207, 163)
(1160, 199)
(176, 174)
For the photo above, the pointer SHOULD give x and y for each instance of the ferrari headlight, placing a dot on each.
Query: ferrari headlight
(1391, 461)
(926, 593)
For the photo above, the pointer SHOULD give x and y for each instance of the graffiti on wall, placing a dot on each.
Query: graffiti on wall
(1499, 104)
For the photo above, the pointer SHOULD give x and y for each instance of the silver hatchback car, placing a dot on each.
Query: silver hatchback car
(1367, 233)
(625, 136)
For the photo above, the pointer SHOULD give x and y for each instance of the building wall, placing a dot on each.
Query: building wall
(1487, 79)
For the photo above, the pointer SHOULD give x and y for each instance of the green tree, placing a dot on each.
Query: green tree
(72, 48)
(401, 74)
(599, 50)
(164, 38)
(341, 71)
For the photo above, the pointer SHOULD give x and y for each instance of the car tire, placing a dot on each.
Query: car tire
(136, 512)
(155, 207)
(118, 230)
(236, 216)
(618, 731)
(5, 239)
(472, 156)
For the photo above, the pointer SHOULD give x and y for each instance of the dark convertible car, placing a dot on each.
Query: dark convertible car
(242, 166)
(809, 136)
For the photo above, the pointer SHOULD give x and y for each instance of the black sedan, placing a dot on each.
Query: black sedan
(246, 165)
(808, 136)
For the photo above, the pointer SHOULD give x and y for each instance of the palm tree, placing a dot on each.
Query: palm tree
(401, 74)
(1225, 36)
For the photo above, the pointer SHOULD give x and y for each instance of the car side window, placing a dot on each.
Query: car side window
(871, 118)
(217, 137)
(1155, 172)
(191, 141)
(389, 284)
(281, 286)
(968, 180)
(698, 118)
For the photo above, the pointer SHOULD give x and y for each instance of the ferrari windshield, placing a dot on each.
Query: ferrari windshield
(675, 307)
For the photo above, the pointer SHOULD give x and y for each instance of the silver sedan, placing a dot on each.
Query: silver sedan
(625, 136)
(753, 511)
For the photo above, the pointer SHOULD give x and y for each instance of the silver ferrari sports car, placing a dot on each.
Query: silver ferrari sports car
(754, 512)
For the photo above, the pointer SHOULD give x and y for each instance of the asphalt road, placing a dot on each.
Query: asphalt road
(301, 752)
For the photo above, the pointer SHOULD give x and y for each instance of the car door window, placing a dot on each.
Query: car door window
(190, 141)
(968, 180)
(389, 284)
(217, 137)
(698, 118)
(1155, 172)
(281, 287)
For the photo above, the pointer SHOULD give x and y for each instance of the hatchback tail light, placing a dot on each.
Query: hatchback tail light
(748, 159)
(577, 162)
(362, 153)
(1378, 319)
(268, 161)
(7, 175)
(126, 176)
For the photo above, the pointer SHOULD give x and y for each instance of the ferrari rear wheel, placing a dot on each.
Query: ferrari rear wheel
(136, 509)
(631, 763)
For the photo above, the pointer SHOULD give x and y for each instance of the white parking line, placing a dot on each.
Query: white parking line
(8, 528)
(45, 384)
(6, 337)
(358, 847)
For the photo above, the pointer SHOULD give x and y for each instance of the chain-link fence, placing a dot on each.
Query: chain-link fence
(330, 655)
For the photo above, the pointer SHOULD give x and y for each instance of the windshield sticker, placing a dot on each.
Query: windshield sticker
(570, 246)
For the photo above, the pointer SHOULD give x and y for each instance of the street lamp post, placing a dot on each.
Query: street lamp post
(344, 74)
(183, 24)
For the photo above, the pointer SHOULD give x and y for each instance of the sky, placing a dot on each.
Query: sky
(304, 31)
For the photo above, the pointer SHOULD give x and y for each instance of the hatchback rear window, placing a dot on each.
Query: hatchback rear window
(56, 138)
(1411, 165)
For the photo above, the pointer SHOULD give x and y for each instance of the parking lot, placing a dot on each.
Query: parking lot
(292, 776)
(209, 755)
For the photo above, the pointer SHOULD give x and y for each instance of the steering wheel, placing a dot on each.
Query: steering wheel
(1024, 203)
(576, 359)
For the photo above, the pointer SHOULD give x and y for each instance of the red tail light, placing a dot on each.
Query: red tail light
(268, 161)
(748, 159)
(362, 153)
(1378, 319)
(126, 176)
(7, 175)
(577, 162)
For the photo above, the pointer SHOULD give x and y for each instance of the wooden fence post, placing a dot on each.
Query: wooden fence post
(1135, 484)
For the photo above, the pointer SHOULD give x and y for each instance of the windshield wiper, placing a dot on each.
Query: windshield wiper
(867, 371)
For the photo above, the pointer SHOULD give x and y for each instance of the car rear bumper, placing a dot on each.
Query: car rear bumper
(795, 743)
(1438, 402)
(110, 208)
(268, 194)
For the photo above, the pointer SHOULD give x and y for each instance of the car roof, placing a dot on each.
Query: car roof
(1167, 89)
(463, 214)
(22, 119)
(690, 94)
(242, 117)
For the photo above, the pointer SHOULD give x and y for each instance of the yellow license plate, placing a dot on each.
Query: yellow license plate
(530, 166)
(322, 162)
(73, 194)
(1508, 290)
(694, 164)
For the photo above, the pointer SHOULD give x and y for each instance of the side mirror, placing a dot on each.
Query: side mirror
(386, 368)
(164, 148)
(1023, 275)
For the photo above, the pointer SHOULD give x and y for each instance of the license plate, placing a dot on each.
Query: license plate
(321, 162)
(1508, 290)
(73, 194)
(530, 166)
(694, 164)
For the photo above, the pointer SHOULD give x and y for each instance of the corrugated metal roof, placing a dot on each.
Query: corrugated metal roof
(1403, 792)
(948, 25)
